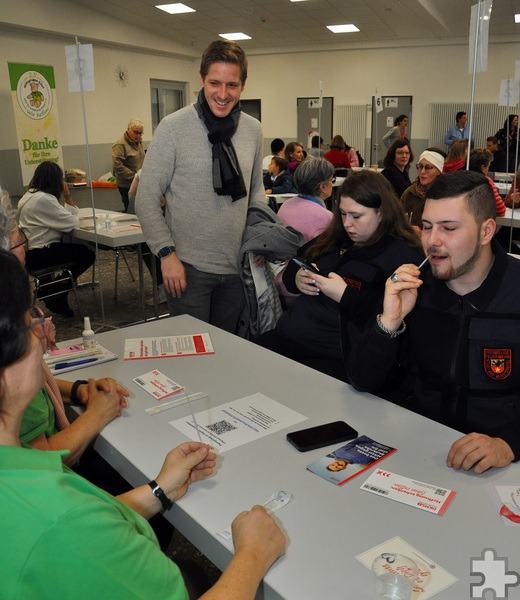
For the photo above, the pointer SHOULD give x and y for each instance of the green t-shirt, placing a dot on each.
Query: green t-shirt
(62, 537)
(38, 418)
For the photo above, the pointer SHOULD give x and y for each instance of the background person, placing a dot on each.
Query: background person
(498, 163)
(429, 167)
(278, 179)
(316, 148)
(44, 220)
(462, 326)
(294, 155)
(456, 159)
(365, 241)
(397, 132)
(507, 137)
(206, 160)
(277, 149)
(337, 154)
(118, 555)
(459, 131)
(479, 161)
(127, 158)
(397, 166)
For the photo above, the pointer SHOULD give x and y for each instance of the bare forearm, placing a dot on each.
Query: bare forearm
(142, 501)
(77, 436)
(241, 578)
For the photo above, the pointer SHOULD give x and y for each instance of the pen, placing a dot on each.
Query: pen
(75, 363)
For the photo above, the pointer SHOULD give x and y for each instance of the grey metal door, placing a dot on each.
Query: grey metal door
(382, 122)
(313, 117)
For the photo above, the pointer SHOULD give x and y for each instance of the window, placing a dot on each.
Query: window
(167, 97)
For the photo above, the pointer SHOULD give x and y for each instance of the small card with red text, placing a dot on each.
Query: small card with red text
(425, 496)
(158, 385)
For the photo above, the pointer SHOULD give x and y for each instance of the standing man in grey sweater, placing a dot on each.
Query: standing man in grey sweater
(206, 160)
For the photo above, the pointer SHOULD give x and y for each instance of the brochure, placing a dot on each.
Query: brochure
(158, 385)
(350, 460)
(168, 346)
(507, 499)
(432, 578)
(425, 496)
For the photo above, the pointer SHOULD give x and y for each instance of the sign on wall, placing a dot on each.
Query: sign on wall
(33, 91)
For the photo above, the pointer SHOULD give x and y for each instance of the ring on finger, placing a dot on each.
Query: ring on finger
(394, 278)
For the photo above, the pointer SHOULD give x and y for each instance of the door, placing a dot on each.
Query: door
(382, 122)
(315, 118)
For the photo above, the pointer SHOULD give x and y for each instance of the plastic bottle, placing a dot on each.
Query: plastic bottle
(89, 337)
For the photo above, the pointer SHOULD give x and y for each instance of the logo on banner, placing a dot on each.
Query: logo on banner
(497, 363)
(34, 95)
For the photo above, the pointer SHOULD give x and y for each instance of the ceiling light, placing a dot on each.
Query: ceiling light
(342, 28)
(517, 18)
(235, 36)
(175, 9)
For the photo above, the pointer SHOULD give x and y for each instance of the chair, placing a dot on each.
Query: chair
(43, 278)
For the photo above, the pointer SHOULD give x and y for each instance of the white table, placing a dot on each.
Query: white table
(111, 237)
(510, 218)
(327, 526)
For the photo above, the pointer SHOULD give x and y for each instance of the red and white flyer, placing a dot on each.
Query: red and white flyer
(168, 346)
(419, 494)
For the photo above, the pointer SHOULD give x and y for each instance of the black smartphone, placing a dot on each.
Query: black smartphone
(321, 435)
(303, 264)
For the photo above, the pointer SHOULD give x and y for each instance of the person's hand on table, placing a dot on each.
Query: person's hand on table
(106, 384)
(479, 452)
(400, 296)
(174, 275)
(306, 282)
(332, 286)
(267, 192)
(185, 464)
(105, 405)
(257, 533)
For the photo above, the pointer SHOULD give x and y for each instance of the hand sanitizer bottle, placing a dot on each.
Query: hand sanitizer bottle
(89, 337)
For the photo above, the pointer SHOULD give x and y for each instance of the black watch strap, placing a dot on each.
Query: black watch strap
(74, 392)
(166, 251)
(158, 492)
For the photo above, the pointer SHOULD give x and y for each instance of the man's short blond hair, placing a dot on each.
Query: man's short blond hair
(133, 123)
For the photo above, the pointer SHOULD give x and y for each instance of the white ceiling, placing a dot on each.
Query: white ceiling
(281, 25)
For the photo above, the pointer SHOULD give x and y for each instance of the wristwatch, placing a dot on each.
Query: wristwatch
(166, 251)
(158, 492)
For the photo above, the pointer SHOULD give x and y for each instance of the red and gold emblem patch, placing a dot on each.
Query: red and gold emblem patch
(498, 363)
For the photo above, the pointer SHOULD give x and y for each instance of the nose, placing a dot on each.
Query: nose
(431, 238)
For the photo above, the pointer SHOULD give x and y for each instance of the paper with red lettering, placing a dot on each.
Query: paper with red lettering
(425, 496)
(432, 578)
(158, 385)
(168, 346)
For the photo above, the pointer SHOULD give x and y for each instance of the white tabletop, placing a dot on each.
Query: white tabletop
(109, 237)
(327, 526)
(511, 218)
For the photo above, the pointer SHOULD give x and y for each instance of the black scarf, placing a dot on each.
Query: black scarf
(227, 176)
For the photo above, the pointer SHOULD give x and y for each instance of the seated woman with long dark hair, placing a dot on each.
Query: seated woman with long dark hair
(44, 220)
(397, 166)
(367, 239)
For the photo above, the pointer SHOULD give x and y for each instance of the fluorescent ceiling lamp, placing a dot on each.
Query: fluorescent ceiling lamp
(233, 37)
(342, 28)
(517, 18)
(175, 9)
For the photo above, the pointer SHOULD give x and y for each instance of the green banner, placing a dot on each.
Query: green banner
(33, 92)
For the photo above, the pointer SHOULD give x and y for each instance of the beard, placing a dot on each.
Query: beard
(456, 272)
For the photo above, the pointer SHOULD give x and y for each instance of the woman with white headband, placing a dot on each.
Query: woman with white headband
(429, 167)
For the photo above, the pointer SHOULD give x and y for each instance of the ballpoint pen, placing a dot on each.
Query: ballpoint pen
(74, 363)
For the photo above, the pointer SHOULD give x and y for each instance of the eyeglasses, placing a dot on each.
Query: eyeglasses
(138, 132)
(402, 153)
(333, 181)
(424, 167)
(38, 324)
(24, 242)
